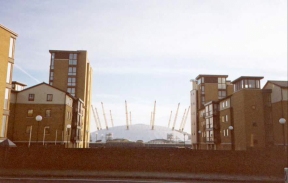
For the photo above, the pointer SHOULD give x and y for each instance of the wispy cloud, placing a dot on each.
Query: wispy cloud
(25, 72)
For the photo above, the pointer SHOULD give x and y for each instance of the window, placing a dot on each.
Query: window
(6, 99)
(4, 122)
(48, 113)
(28, 129)
(227, 132)
(203, 89)
(209, 136)
(226, 117)
(52, 61)
(71, 91)
(221, 83)
(51, 83)
(51, 75)
(221, 94)
(222, 119)
(72, 71)
(224, 131)
(209, 123)
(72, 59)
(71, 81)
(31, 97)
(8, 76)
(49, 97)
(30, 113)
(203, 99)
(11, 48)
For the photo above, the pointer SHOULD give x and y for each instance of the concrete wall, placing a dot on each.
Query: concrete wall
(266, 163)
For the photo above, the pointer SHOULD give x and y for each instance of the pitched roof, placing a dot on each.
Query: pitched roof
(3, 27)
(282, 84)
(43, 83)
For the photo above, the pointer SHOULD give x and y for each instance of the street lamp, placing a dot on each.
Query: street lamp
(199, 132)
(282, 121)
(30, 131)
(38, 119)
(231, 128)
(44, 133)
(68, 127)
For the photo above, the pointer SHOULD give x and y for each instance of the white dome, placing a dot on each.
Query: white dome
(138, 132)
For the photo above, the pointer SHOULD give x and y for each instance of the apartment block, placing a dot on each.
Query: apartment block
(234, 115)
(279, 105)
(57, 109)
(71, 71)
(7, 50)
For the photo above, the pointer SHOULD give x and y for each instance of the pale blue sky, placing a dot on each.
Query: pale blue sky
(148, 50)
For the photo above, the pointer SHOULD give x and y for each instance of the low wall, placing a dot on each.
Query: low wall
(268, 163)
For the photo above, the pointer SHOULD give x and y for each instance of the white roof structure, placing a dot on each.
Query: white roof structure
(138, 132)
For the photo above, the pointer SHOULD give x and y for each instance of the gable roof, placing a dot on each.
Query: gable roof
(282, 84)
(49, 86)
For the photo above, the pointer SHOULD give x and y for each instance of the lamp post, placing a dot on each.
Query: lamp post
(231, 128)
(44, 133)
(38, 119)
(282, 121)
(30, 131)
(199, 132)
(68, 127)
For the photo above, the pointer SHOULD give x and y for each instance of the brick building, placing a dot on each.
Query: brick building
(71, 71)
(7, 48)
(279, 101)
(232, 115)
(58, 109)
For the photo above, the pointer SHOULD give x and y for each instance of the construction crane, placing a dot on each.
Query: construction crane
(153, 120)
(127, 125)
(104, 116)
(169, 119)
(184, 122)
(175, 117)
(111, 119)
(95, 117)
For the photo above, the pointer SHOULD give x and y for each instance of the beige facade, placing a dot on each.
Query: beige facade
(71, 71)
(55, 107)
(7, 49)
(242, 117)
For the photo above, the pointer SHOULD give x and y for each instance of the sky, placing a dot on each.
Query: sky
(143, 51)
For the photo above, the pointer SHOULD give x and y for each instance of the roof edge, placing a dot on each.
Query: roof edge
(15, 34)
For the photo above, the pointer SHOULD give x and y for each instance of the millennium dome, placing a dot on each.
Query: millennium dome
(139, 132)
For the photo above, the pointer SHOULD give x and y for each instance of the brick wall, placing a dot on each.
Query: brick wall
(267, 163)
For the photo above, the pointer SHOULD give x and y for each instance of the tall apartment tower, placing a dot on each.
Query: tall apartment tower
(7, 47)
(206, 88)
(71, 71)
